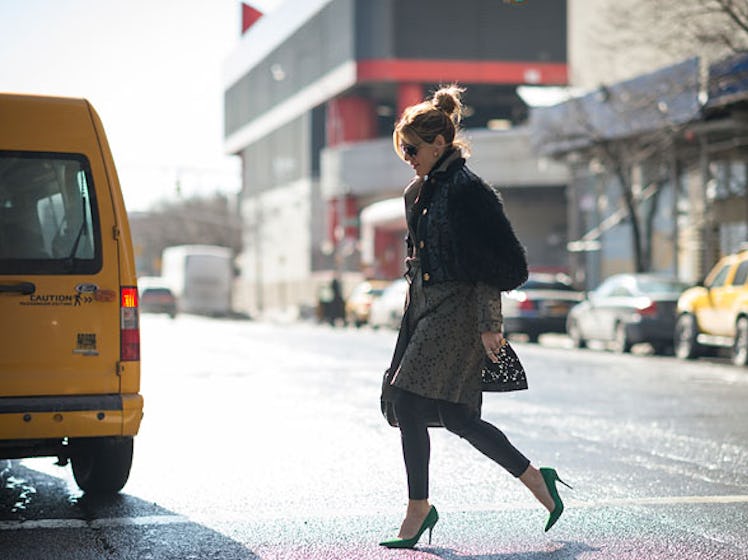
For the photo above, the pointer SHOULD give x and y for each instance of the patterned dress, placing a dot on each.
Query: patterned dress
(443, 353)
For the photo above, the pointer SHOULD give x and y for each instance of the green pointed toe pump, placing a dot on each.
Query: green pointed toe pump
(431, 518)
(550, 476)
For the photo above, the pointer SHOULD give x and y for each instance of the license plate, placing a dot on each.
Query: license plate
(557, 309)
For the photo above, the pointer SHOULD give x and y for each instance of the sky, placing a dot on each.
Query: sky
(153, 70)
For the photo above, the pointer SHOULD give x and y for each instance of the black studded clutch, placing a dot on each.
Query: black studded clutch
(506, 375)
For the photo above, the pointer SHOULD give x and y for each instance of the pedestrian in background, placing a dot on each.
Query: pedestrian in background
(462, 252)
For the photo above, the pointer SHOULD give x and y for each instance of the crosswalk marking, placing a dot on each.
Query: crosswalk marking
(113, 522)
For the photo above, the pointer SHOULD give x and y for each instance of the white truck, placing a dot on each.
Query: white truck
(200, 277)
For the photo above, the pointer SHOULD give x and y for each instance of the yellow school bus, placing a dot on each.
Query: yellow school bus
(70, 343)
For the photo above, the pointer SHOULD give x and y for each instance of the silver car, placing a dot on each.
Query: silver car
(627, 309)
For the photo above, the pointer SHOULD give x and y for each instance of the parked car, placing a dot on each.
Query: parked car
(715, 314)
(358, 304)
(539, 306)
(627, 309)
(156, 296)
(387, 310)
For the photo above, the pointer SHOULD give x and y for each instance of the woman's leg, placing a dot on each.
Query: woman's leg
(486, 438)
(492, 442)
(410, 410)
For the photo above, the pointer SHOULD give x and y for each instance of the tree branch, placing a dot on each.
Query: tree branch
(729, 9)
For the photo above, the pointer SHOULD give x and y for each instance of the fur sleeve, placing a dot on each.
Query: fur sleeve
(488, 249)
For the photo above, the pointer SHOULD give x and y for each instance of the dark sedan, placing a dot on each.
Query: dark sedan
(539, 306)
(156, 297)
(627, 309)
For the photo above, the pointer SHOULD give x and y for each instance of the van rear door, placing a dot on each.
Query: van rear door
(59, 273)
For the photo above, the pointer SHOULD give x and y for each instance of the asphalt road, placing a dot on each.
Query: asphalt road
(265, 441)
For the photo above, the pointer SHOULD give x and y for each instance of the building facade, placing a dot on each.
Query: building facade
(312, 92)
(657, 170)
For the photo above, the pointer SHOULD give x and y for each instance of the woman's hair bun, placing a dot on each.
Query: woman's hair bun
(449, 100)
(438, 116)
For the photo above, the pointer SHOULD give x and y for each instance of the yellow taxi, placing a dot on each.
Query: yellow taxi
(715, 314)
(70, 348)
(359, 302)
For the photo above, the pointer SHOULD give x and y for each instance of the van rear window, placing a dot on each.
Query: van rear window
(49, 222)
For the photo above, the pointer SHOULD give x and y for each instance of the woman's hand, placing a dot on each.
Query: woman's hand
(492, 342)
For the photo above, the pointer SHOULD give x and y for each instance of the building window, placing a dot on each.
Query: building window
(732, 236)
(729, 179)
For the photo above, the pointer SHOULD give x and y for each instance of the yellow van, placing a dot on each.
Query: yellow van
(70, 343)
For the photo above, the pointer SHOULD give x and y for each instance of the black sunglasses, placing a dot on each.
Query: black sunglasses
(409, 150)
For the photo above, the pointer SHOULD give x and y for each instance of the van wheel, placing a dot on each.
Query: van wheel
(740, 346)
(686, 347)
(101, 465)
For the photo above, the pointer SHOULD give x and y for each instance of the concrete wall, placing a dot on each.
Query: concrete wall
(276, 263)
(540, 221)
(506, 159)
(502, 158)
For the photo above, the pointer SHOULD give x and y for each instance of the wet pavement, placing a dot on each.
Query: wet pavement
(265, 441)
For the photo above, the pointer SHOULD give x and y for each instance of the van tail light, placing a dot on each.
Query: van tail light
(129, 325)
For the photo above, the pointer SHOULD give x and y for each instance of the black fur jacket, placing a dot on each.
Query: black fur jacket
(459, 230)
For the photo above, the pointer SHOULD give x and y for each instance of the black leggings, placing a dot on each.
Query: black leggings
(412, 411)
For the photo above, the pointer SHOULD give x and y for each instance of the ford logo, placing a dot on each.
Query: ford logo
(86, 288)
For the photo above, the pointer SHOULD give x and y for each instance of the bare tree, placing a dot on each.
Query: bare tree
(681, 28)
(619, 131)
(636, 124)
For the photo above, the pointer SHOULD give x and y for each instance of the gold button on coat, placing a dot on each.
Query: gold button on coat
(426, 276)
(421, 244)
(425, 211)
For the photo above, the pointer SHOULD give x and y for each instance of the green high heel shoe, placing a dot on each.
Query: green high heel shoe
(431, 518)
(550, 476)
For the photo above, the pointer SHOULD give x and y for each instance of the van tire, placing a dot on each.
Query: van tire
(101, 465)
